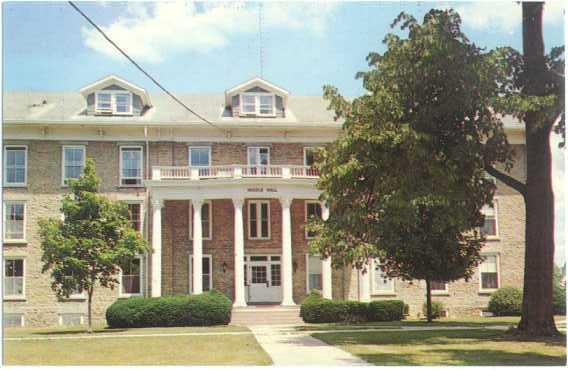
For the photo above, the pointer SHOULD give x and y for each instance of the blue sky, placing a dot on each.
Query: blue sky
(209, 47)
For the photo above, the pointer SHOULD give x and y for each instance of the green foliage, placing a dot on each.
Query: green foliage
(559, 293)
(210, 308)
(507, 301)
(91, 243)
(438, 309)
(388, 310)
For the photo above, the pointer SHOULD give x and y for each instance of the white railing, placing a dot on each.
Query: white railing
(232, 171)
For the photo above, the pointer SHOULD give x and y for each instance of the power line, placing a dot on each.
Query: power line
(142, 69)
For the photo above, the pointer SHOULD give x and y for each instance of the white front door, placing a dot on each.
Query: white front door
(263, 279)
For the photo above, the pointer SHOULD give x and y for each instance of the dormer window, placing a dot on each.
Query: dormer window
(259, 104)
(113, 102)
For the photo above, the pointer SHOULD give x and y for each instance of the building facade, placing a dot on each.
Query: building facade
(223, 204)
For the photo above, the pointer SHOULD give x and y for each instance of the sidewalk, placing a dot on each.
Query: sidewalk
(288, 347)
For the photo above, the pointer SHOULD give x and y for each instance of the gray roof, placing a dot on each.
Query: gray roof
(69, 108)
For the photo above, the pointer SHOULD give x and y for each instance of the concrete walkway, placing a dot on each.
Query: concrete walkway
(288, 347)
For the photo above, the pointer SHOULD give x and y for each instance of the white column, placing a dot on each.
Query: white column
(326, 263)
(157, 205)
(239, 255)
(364, 286)
(287, 269)
(197, 247)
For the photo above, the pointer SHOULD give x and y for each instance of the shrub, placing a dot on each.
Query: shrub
(438, 309)
(211, 308)
(389, 310)
(559, 300)
(316, 309)
(506, 302)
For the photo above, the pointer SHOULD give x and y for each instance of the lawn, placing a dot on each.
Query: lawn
(172, 347)
(447, 347)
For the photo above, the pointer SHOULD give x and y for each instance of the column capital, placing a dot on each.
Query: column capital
(286, 201)
(157, 203)
(197, 202)
(238, 202)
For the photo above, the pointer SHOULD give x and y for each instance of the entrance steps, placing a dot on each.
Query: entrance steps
(266, 315)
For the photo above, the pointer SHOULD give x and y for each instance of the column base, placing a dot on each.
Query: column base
(288, 303)
(239, 304)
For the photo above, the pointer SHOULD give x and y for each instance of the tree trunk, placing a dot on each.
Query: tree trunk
(89, 310)
(537, 312)
(428, 301)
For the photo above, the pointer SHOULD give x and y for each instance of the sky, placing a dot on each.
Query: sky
(208, 47)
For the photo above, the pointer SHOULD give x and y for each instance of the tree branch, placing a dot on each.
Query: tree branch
(507, 180)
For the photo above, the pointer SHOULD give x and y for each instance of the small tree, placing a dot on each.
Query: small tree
(91, 243)
(406, 180)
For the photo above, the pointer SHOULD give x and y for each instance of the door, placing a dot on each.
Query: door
(263, 275)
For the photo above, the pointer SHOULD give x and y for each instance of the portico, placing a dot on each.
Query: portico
(255, 272)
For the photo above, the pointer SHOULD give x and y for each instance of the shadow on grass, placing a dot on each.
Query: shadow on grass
(79, 331)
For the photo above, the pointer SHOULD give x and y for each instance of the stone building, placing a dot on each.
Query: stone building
(223, 204)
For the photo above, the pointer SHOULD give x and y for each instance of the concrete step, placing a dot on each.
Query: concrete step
(273, 315)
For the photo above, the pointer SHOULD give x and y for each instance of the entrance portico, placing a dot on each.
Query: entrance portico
(258, 277)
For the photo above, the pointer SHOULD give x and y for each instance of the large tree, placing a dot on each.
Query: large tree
(406, 178)
(92, 241)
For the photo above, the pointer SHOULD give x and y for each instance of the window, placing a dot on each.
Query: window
(115, 102)
(131, 166)
(200, 157)
(382, 284)
(314, 276)
(73, 162)
(309, 156)
(206, 269)
(439, 287)
(258, 160)
(206, 220)
(257, 104)
(13, 277)
(313, 209)
(490, 227)
(135, 215)
(75, 293)
(71, 319)
(489, 273)
(14, 221)
(15, 164)
(131, 278)
(259, 219)
(13, 320)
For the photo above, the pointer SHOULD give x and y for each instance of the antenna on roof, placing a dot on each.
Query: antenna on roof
(260, 46)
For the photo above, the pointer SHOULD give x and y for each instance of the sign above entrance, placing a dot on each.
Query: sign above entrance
(262, 190)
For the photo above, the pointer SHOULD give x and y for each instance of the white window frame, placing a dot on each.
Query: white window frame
(258, 148)
(83, 148)
(308, 270)
(445, 291)
(496, 213)
(498, 268)
(208, 148)
(258, 220)
(60, 318)
(376, 291)
(15, 297)
(210, 257)
(257, 96)
(22, 318)
(16, 184)
(306, 149)
(141, 203)
(190, 224)
(121, 293)
(120, 177)
(306, 203)
(113, 94)
(25, 222)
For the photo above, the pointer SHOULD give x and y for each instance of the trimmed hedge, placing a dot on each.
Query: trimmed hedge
(506, 301)
(316, 309)
(437, 309)
(210, 308)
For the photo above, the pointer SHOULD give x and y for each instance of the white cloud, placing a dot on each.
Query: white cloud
(504, 16)
(151, 32)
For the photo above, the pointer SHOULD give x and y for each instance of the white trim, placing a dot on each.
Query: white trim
(190, 213)
(82, 147)
(113, 104)
(120, 178)
(121, 294)
(23, 295)
(115, 80)
(258, 219)
(25, 221)
(210, 257)
(257, 104)
(308, 272)
(16, 184)
(496, 214)
(258, 152)
(199, 147)
(376, 291)
(306, 216)
(498, 268)
(257, 81)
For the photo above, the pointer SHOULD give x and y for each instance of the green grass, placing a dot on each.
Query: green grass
(214, 349)
(448, 347)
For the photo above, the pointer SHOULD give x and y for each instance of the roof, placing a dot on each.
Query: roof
(115, 80)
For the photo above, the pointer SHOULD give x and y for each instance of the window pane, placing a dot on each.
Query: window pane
(131, 166)
(249, 103)
(489, 280)
(14, 221)
(252, 220)
(258, 274)
(205, 220)
(131, 277)
(205, 265)
(309, 159)
(275, 275)
(266, 104)
(15, 165)
(437, 285)
(489, 227)
(264, 220)
(122, 102)
(104, 101)
(134, 216)
(73, 162)
(264, 156)
(199, 157)
(13, 277)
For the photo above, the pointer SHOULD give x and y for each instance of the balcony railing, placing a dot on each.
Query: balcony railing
(232, 172)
